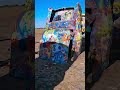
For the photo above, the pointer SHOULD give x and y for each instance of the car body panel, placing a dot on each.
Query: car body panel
(62, 26)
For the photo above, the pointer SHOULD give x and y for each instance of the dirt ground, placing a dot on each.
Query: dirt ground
(8, 17)
(53, 76)
(38, 35)
(110, 79)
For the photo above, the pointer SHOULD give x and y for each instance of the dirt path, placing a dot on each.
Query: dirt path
(74, 78)
(110, 79)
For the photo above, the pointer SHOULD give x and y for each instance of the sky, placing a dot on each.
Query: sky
(41, 9)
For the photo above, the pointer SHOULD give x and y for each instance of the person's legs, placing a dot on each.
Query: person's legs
(70, 50)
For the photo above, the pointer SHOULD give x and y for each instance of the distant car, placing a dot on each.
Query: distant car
(62, 35)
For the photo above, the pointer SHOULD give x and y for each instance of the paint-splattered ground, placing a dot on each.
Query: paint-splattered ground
(51, 76)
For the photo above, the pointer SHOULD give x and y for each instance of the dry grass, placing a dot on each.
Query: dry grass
(38, 35)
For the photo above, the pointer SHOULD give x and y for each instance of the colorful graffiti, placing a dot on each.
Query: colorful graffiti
(55, 44)
(100, 37)
(83, 23)
(58, 30)
(25, 27)
(62, 24)
(58, 36)
(56, 52)
(22, 45)
(101, 31)
(116, 7)
(63, 15)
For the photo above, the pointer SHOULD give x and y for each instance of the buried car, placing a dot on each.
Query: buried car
(62, 37)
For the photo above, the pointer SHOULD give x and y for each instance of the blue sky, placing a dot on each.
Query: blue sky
(41, 9)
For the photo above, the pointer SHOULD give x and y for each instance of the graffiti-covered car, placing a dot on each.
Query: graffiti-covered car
(62, 36)
(23, 44)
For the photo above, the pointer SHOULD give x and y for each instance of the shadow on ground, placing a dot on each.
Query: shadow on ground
(50, 74)
(8, 82)
(115, 47)
(11, 80)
